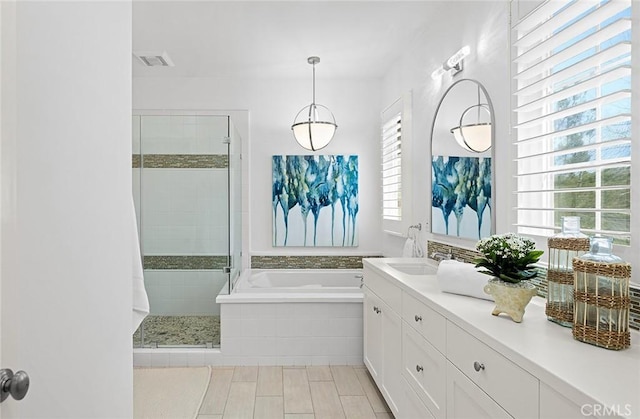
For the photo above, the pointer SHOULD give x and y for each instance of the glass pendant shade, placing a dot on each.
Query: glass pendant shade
(474, 137)
(314, 126)
(316, 131)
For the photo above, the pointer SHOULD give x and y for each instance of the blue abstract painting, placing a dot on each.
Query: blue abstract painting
(461, 190)
(315, 200)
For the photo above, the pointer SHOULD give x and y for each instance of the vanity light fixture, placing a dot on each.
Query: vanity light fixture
(474, 137)
(316, 124)
(453, 64)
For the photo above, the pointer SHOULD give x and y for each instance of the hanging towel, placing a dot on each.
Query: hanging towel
(407, 250)
(462, 278)
(140, 299)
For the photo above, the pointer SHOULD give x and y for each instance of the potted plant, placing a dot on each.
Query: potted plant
(507, 258)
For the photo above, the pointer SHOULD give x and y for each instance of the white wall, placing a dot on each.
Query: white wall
(272, 105)
(66, 215)
(357, 104)
(483, 25)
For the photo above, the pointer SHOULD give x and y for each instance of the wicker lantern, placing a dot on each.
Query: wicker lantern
(563, 247)
(601, 297)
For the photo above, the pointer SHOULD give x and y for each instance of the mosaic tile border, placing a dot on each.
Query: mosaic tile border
(180, 161)
(136, 160)
(184, 262)
(540, 280)
(307, 262)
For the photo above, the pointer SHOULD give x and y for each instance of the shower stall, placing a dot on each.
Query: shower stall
(187, 193)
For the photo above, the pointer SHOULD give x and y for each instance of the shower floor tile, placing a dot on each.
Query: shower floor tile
(179, 330)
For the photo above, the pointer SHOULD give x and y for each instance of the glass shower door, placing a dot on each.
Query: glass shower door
(182, 203)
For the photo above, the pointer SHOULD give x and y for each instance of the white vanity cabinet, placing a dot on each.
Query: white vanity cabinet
(510, 386)
(383, 337)
(439, 355)
(467, 400)
(423, 363)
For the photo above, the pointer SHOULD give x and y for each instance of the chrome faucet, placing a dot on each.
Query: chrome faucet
(439, 256)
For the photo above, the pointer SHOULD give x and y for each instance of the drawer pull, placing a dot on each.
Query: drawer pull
(377, 310)
(478, 366)
(419, 368)
(418, 318)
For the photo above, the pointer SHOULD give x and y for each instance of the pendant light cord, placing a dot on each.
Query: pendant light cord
(313, 101)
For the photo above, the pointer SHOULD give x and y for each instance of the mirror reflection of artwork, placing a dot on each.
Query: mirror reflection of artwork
(315, 200)
(461, 196)
(462, 139)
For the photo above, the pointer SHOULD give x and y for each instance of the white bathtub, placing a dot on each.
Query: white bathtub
(299, 281)
(293, 317)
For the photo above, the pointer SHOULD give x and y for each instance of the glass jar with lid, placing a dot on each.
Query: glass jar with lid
(601, 297)
(563, 247)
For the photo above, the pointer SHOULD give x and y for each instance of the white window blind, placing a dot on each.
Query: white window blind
(572, 81)
(392, 167)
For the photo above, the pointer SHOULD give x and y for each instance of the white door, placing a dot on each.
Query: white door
(65, 193)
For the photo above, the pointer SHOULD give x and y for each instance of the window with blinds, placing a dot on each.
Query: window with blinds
(572, 81)
(392, 167)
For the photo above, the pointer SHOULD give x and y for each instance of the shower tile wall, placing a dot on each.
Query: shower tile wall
(180, 183)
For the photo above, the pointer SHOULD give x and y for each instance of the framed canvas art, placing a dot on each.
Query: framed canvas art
(315, 200)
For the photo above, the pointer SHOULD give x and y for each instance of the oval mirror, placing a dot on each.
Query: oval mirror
(462, 139)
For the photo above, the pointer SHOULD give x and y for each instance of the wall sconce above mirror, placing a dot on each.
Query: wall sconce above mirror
(453, 64)
(462, 164)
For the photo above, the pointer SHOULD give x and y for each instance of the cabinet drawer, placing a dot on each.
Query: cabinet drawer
(431, 325)
(424, 368)
(391, 294)
(513, 388)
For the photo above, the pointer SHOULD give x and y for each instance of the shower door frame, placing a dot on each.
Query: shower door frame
(228, 270)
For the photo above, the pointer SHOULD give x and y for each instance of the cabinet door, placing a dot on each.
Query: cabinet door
(412, 407)
(372, 318)
(554, 404)
(391, 358)
(467, 400)
(424, 368)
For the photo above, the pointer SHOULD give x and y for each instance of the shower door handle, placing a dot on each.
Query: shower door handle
(15, 384)
(226, 270)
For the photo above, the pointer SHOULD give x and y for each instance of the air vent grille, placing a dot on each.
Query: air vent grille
(154, 59)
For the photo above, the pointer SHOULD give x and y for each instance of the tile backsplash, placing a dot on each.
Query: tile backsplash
(540, 280)
(307, 262)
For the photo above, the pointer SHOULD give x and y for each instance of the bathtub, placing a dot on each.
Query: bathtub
(306, 283)
(293, 317)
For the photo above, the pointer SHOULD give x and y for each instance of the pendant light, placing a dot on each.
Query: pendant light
(315, 125)
(474, 137)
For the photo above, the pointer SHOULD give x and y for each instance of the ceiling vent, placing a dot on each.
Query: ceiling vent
(154, 59)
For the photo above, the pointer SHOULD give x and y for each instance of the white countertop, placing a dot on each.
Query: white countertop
(543, 348)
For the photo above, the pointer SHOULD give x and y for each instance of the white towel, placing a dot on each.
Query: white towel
(407, 250)
(140, 299)
(462, 278)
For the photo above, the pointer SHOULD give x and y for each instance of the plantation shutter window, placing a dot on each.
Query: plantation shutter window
(392, 168)
(572, 93)
(395, 169)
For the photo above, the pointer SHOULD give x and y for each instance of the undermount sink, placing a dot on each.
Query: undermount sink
(417, 268)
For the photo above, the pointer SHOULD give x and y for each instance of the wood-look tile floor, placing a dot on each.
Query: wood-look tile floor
(313, 392)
